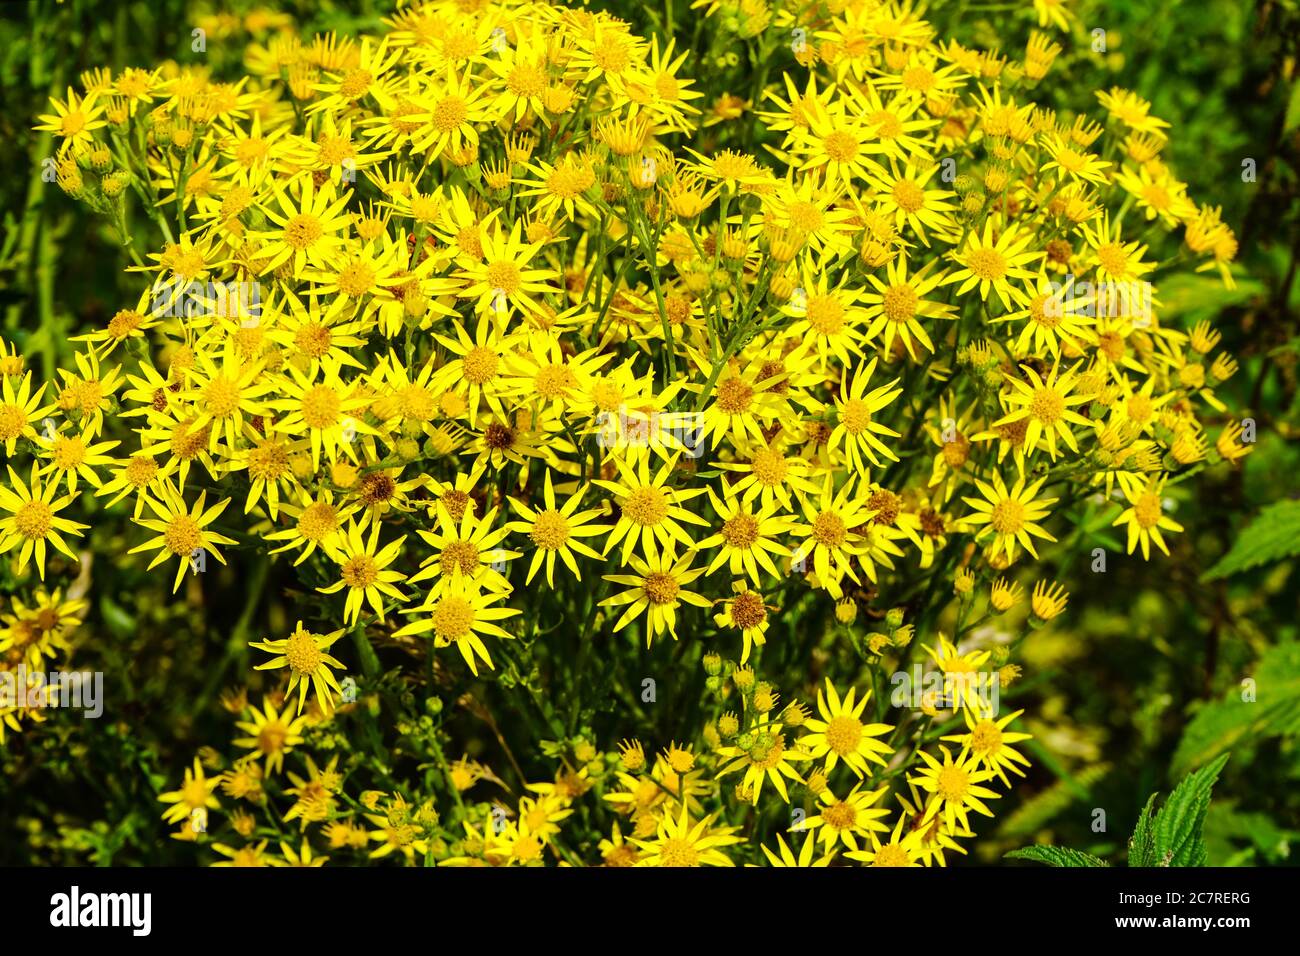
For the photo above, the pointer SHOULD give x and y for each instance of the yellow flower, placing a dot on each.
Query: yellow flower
(309, 666)
(195, 794)
(554, 531)
(460, 613)
(658, 589)
(364, 570)
(1045, 403)
(991, 259)
(762, 753)
(1011, 515)
(840, 734)
(271, 734)
(1048, 600)
(1145, 517)
(182, 532)
(651, 511)
(682, 842)
(955, 787)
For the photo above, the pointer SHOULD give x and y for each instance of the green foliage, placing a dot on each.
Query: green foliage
(1273, 710)
(1171, 836)
(1272, 536)
(1174, 836)
(1056, 856)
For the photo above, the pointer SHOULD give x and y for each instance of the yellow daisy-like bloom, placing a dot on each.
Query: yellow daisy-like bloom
(19, 409)
(658, 588)
(988, 740)
(467, 548)
(195, 794)
(839, 145)
(478, 365)
(564, 188)
(770, 476)
(1054, 319)
(271, 734)
(1048, 600)
(182, 532)
(321, 406)
(912, 203)
(1011, 515)
(74, 120)
(1003, 596)
(72, 456)
(453, 104)
(762, 753)
(1045, 404)
(832, 544)
(651, 511)
(395, 834)
(503, 275)
(364, 570)
(840, 734)
(899, 303)
(962, 675)
(224, 392)
(307, 228)
(554, 531)
(681, 842)
(304, 857)
(902, 849)
(784, 857)
(827, 317)
(1115, 260)
(857, 428)
(1129, 108)
(309, 666)
(1145, 516)
(845, 821)
(955, 787)
(746, 612)
(990, 260)
(743, 403)
(1074, 163)
(746, 538)
(462, 614)
(317, 523)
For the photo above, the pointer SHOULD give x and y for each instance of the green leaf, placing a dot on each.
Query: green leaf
(1142, 845)
(1223, 724)
(1178, 837)
(1056, 856)
(1273, 535)
(1292, 110)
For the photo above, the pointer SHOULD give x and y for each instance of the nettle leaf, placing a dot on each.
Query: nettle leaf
(1272, 536)
(1142, 845)
(1178, 837)
(1274, 710)
(1056, 856)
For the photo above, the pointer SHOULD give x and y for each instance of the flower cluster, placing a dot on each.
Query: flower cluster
(509, 305)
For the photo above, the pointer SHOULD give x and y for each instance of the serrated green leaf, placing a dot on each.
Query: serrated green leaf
(1142, 845)
(1056, 856)
(1222, 724)
(1272, 536)
(1178, 825)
